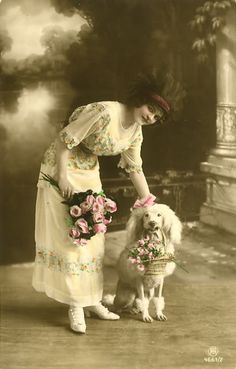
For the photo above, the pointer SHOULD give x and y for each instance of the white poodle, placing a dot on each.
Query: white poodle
(136, 288)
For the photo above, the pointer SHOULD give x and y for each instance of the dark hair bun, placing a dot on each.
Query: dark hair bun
(148, 84)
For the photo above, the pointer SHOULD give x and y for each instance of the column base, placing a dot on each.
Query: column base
(217, 217)
(220, 207)
(225, 151)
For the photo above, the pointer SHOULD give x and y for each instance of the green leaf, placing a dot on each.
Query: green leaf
(48, 178)
(69, 221)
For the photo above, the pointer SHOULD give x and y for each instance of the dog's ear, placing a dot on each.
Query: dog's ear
(172, 225)
(134, 226)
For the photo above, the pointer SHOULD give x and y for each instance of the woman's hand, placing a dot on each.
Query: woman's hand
(66, 187)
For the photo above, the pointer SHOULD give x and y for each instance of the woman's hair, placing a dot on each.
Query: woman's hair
(160, 90)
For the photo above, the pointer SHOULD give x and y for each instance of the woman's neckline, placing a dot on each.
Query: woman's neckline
(132, 126)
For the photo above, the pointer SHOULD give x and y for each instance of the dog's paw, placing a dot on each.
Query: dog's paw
(161, 317)
(147, 318)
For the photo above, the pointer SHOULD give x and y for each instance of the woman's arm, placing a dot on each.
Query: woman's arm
(140, 183)
(62, 155)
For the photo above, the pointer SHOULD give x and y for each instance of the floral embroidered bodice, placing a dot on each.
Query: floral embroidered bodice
(95, 130)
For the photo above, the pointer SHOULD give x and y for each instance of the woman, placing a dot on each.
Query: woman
(66, 273)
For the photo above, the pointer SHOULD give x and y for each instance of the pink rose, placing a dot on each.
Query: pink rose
(141, 251)
(95, 208)
(85, 206)
(141, 267)
(75, 211)
(90, 199)
(97, 217)
(99, 228)
(82, 225)
(80, 242)
(83, 242)
(141, 242)
(107, 221)
(133, 260)
(100, 200)
(110, 206)
(150, 255)
(74, 232)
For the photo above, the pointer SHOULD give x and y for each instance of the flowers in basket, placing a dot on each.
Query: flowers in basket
(89, 213)
(147, 251)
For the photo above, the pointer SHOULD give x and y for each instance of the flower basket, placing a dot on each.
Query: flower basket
(157, 266)
(151, 257)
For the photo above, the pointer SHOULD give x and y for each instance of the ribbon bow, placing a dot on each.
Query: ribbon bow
(149, 200)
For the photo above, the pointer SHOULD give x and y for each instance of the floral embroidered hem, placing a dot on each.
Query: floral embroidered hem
(56, 262)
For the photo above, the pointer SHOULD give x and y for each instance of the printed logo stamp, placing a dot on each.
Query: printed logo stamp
(213, 355)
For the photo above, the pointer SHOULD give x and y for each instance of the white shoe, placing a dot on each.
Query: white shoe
(77, 321)
(101, 311)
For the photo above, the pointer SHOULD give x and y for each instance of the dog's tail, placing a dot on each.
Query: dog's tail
(108, 300)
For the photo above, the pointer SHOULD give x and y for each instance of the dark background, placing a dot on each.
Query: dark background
(93, 60)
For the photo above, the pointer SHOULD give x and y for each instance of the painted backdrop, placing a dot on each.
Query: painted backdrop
(57, 54)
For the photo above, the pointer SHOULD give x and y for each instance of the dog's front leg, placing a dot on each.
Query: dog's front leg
(159, 302)
(142, 302)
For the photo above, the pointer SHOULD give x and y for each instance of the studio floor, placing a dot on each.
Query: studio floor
(200, 306)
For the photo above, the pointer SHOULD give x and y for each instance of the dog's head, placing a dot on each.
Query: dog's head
(152, 219)
(158, 216)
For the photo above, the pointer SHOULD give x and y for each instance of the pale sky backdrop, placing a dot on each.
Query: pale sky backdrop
(25, 23)
(28, 127)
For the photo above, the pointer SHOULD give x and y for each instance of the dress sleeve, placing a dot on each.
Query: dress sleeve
(84, 121)
(131, 160)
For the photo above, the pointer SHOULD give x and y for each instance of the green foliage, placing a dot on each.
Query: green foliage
(208, 20)
(69, 221)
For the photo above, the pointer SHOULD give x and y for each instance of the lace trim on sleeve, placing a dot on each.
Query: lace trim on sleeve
(68, 140)
(129, 168)
(83, 122)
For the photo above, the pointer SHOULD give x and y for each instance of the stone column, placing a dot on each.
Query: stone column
(220, 206)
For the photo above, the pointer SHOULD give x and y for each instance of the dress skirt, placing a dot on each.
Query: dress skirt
(67, 273)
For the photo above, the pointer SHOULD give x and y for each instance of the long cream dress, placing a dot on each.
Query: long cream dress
(67, 273)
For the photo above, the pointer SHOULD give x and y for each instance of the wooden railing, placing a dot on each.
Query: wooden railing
(184, 192)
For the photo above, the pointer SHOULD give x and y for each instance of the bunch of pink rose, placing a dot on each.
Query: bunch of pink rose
(145, 252)
(90, 213)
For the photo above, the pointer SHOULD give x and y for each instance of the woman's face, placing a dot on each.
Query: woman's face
(147, 114)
